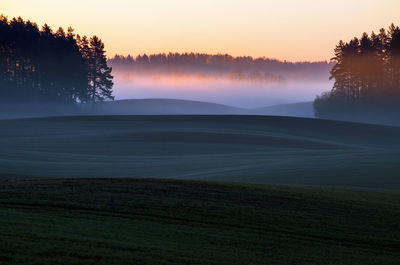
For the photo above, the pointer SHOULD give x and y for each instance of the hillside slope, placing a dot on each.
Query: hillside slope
(234, 148)
(118, 107)
(163, 106)
(151, 106)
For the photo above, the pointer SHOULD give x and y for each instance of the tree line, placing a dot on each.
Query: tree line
(57, 67)
(366, 76)
(219, 63)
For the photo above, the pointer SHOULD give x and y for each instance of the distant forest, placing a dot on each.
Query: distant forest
(367, 78)
(237, 68)
(56, 67)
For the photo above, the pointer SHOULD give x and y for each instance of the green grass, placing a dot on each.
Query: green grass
(149, 221)
(277, 150)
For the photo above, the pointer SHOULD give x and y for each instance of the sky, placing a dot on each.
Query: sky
(293, 30)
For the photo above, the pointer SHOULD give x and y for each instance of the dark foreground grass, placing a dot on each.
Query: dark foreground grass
(148, 221)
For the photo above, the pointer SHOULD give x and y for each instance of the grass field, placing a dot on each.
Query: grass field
(154, 221)
(277, 150)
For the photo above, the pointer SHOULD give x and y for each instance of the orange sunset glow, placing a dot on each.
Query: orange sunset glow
(294, 30)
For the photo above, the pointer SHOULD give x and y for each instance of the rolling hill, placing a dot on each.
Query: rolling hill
(150, 107)
(262, 149)
(117, 107)
(163, 107)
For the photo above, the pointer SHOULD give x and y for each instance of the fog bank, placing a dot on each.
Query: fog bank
(222, 89)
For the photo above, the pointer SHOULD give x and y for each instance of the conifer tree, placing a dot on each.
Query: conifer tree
(366, 74)
(56, 67)
(99, 74)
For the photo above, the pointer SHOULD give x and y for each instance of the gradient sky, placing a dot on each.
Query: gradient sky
(294, 30)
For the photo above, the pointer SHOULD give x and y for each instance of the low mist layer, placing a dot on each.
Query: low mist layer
(220, 89)
(238, 81)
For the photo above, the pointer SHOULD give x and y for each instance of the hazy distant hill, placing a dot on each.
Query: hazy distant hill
(301, 109)
(151, 107)
(164, 106)
(119, 107)
(187, 107)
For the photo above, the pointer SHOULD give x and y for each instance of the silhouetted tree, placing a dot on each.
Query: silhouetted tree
(393, 58)
(43, 66)
(99, 74)
(367, 76)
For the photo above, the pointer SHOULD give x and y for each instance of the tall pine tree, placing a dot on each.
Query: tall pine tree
(99, 74)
